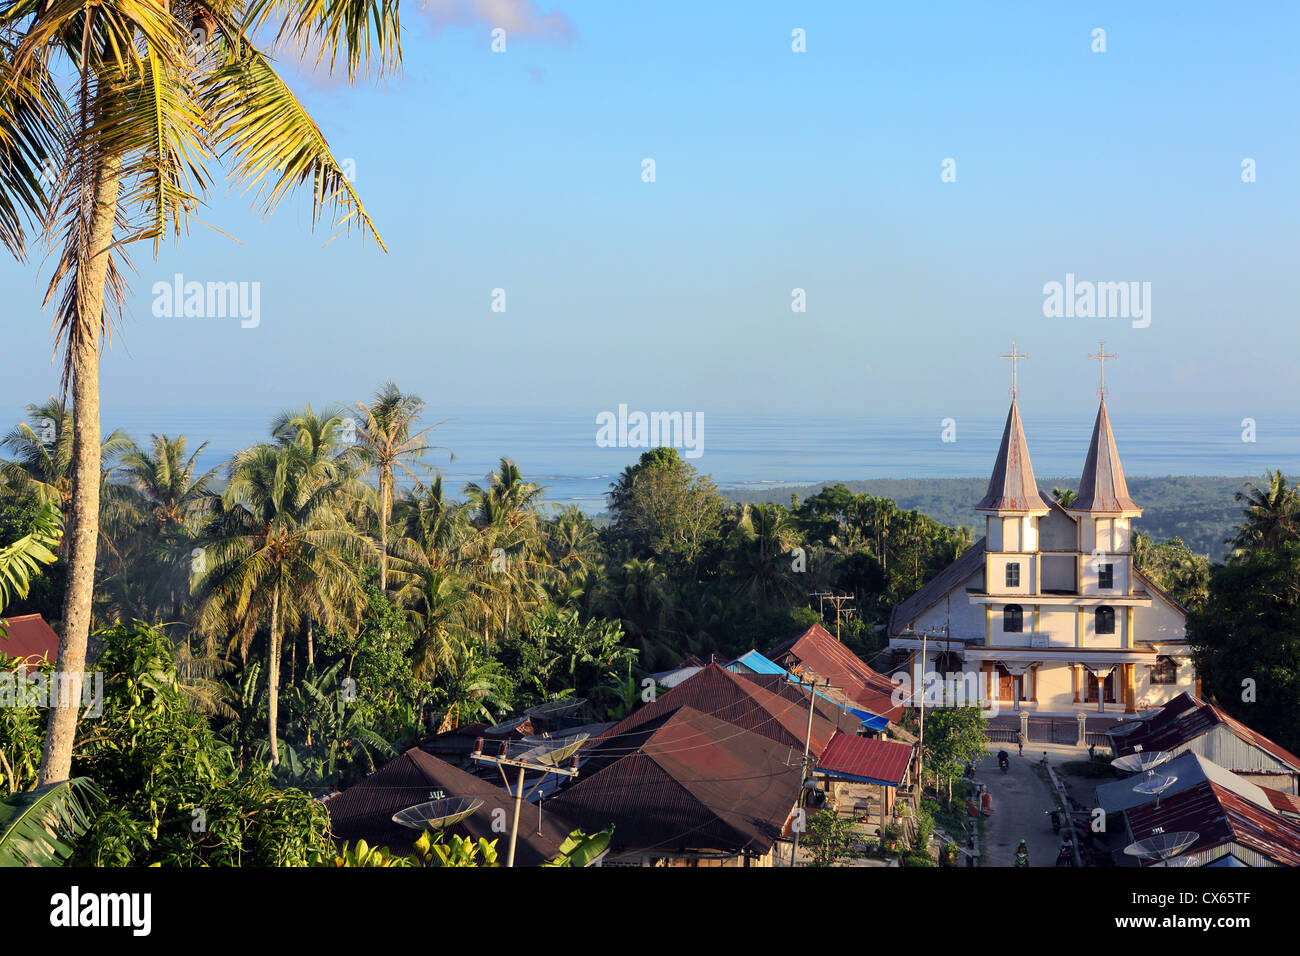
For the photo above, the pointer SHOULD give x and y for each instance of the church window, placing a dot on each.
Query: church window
(1013, 574)
(1106, 577)
(1164, 671)
(1105, 620)
(1013, 619)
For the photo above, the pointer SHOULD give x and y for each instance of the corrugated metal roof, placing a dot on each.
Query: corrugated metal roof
(738, 700)
(1190, 770)
(365, 811)
(1012, 486)
(865, 758)
(685, 781)
(1184, 719)
(816, 653)
(28, 637)
(1102, 488)
(1220, 817)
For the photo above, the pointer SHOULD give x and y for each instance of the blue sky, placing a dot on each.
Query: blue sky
(775, 170)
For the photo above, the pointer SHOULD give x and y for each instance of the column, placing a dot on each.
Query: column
(988, 625)
(1130, 692)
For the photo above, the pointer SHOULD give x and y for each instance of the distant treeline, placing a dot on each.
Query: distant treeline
(1200, 510)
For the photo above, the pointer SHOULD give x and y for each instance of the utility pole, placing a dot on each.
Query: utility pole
(537, 763)
(803, 764)
(843, 604)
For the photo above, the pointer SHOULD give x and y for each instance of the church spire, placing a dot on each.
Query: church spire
(1012, 488)
(1102, 488)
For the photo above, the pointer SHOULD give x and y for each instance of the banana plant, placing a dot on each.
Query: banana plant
(37, 827)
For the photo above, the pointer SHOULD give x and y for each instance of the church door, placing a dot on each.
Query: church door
(1009, 686)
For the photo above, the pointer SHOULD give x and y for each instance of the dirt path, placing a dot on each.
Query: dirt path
(1019, 799)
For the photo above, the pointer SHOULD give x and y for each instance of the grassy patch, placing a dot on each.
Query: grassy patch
(1088, 768)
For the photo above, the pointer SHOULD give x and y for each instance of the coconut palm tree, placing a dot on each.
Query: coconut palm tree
(42, 455)
(507, 556)
(110, 117)
(386, 445)
(1271, 514)
(1065, 496)
(277, 554)
(21, 560)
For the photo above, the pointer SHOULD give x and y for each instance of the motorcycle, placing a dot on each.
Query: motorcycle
(1056, 819)
(1004, 763)
(1065, 857)
(1022, 857)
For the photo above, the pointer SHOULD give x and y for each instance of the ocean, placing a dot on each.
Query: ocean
(558, 448)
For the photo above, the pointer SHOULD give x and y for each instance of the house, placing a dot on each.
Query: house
(849, 760)
(1189, 724)
(815, 655)
(1046, 613)
(685, 788)
(1231, 829)
(365, 810)
(26, 637)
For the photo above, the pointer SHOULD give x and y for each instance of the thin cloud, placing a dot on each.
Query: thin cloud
(516, 17)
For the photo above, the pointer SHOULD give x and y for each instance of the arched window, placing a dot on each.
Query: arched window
(1164, 671)
(1105, 620)
(1013, 619)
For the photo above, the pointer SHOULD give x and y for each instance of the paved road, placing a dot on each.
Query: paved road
(1019, 799)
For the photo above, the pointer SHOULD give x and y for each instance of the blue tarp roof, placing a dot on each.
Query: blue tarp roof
(1228, 860)
(756, 663)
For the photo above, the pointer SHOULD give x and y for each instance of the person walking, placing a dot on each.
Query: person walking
(1021, 741)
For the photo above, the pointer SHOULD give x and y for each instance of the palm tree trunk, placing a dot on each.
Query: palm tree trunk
(311, 652)
(273, 676)
(385, 496)
(83, 531)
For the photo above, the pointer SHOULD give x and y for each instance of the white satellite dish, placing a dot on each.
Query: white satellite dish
(437, 814)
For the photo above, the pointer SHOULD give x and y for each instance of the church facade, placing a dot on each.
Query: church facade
(1046, 612)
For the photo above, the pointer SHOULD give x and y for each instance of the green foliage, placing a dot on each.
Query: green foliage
(1246, 641)
(829, 837)
(953, 736)
(174, 795)
(21, 559)
(580, 849)
(455, 850)
(37, 827)
(1175, 568)
(557, 654)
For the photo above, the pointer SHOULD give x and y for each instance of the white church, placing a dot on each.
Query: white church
(1046, 613)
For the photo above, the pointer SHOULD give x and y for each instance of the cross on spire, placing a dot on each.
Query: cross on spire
(1101, 355)
(1015, 358)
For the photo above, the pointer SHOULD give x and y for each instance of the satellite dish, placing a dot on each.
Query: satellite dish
(1156, 783)
(546, 750)
(1141, 761)
(1179, 861)
(1161, 846)
(437, 814)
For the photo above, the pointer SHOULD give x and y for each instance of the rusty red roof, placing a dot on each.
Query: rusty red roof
(1012, 486)
(738, 700)
(782, 686)
(1102, 488)
(1184, 719)
(1220, 817)
(816, 653)
(685, 781)
(365, 811)
(28, 637)
(1282, 802)
(865, 758)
